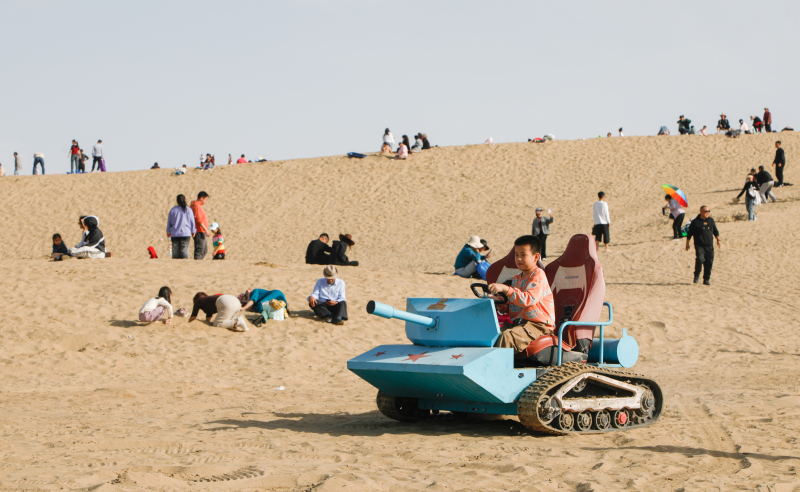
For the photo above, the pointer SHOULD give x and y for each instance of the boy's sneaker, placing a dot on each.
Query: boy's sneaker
(241, 324)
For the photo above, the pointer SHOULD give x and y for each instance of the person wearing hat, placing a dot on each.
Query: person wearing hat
(541, 229)
(684, 125)
(328, 299)
(723, 125)
(466, 264)
(339, 249)
(767, 120)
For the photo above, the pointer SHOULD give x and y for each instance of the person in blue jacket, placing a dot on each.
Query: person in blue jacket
(470, 255)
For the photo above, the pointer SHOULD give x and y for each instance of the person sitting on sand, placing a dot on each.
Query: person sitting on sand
(155, 166)
(388, 138)
(339, 249)
(386, 148)
(402, 151)
(417, 147)
(328, 299)
(154, 308)
(318, 251)
(226, 307)
(704, 131)
(241, 160)
(530, 301)
(743, 128)
(217, 241)
(723, 125)
(466, 264)
(426, 145)
(93, 243)
(59, 248)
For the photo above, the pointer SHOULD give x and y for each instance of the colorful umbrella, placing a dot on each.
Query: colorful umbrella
(677, 194)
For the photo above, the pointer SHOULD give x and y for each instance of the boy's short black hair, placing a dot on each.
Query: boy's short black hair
(778, 142)
(325, 234)
(202, 195)
(56, 236)
(532, 241)
(601, 194)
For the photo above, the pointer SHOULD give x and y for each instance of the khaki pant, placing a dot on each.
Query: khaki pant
(228, 308)
(519, 337)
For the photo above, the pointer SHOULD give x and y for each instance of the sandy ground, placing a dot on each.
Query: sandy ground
(91, 399)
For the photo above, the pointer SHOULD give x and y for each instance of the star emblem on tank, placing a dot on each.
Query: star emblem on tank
(416, 357)
(457, 356)
(379, 354)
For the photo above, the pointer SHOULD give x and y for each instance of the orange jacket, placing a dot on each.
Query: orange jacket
(200, 219)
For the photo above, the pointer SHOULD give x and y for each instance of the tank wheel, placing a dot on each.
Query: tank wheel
(579, 387)
(400, 408)
(602, 420)
(645, 413)
(584, 421)
(566, 421)
(621, 418)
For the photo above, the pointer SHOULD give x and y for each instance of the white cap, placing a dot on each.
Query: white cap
(475, 242)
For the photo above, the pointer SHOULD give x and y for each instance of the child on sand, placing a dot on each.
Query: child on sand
(59, 248)
(218, 241)
(530, 300)
(154, 308)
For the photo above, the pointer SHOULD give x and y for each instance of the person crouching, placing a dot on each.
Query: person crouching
(530, 300)
(328, 299)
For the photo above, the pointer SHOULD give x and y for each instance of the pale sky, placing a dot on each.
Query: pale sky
(168, 80)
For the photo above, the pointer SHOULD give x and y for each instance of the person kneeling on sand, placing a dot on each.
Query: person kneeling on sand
(225, 306)
(154, 308)
(328, 299)
(466, 264)
(93, 244)
(530, 300)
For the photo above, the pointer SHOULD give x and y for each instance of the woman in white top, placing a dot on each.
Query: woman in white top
(154, 308)
(388, 138)
(743, 127)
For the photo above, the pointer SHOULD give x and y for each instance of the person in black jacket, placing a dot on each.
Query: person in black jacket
(318, 251)
(765, 182)
(684, 125)
(703, 230)
(425, 143)
(339, 250)
(779, 163)
(723, 125)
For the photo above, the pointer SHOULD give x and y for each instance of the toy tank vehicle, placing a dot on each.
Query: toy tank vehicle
(564, 383)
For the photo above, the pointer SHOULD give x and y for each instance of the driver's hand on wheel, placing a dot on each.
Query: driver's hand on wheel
(498, 288)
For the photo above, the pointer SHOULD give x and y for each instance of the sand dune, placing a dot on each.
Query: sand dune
(90, 399)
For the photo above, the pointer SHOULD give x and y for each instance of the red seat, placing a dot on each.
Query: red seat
(576, 280)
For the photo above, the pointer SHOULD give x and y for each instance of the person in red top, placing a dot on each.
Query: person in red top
(74, 157)
(767, 120)
(201, 224)
(241, 160)
(530, 300)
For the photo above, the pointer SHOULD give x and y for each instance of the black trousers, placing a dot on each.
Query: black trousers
(704, 260)
(543, 243)
(677, 223)
(779, 173)
(768, 127)
(200, 245)
(323, 310)
(96, 160)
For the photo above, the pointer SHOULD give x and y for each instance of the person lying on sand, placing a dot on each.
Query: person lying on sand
(154, 308)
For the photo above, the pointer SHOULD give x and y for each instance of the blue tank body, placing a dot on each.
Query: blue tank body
(452, 364)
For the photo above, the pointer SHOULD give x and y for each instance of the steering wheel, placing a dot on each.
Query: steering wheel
(485, 293)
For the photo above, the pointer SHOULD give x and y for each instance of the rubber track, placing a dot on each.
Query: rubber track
(527, 408)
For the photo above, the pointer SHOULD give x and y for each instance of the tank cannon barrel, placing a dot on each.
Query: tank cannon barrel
(388, 312)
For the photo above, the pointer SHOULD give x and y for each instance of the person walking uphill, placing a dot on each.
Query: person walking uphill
(703, 229)
(602, 221)
(201, 226)
(779, 163)
(541, 229)
(180, 228)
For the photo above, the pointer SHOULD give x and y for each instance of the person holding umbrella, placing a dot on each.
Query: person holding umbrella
(676, 200)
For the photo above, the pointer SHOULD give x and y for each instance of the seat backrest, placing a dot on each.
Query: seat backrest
(502, 271)
(576, 279)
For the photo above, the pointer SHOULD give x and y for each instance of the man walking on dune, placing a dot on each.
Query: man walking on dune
(703, 229)
(201, 224)
(602, 221)
(779, 163)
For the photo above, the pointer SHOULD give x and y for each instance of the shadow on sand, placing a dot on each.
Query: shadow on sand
(697, 451)
(375, 424)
